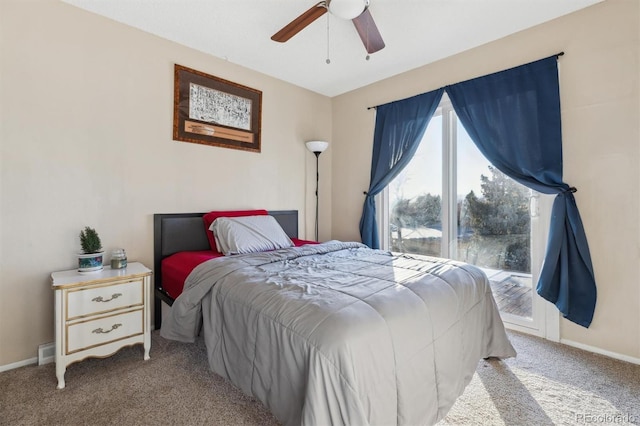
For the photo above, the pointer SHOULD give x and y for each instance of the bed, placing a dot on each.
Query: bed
(333, 333)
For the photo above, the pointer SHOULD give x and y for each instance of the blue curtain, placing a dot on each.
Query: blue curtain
(513, 117)
(399, 129)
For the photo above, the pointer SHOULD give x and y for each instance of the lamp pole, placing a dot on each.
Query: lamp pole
(317, 147)
(317, 154)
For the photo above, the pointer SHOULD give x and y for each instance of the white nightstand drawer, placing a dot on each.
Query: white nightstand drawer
(89, 301)
(87, 334)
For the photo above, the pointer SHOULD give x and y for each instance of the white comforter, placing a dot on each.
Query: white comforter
(338, 333)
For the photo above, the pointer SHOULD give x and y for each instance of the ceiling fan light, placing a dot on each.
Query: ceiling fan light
(347, 9)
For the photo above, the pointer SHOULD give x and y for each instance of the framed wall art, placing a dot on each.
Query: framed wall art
(211, 111)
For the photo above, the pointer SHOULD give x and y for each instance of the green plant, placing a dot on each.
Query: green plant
(90, 241)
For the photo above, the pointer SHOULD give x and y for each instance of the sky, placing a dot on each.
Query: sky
(424, 173)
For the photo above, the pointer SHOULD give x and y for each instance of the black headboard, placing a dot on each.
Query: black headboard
(174, 232)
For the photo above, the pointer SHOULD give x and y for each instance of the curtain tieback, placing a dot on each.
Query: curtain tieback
(571, 189)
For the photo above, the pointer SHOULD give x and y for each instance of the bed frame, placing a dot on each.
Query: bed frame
(174, 232)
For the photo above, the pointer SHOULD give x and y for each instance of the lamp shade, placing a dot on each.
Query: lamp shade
(317, 146)
(347, 9)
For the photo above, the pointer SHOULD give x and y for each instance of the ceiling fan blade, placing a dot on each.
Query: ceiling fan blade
(368, 32)
(300, 23)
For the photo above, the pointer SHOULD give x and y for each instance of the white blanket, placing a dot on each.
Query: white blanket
(338, 333)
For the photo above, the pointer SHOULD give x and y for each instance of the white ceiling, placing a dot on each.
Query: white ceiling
(416, 32)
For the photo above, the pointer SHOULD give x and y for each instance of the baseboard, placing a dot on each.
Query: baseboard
(46, 355)
(18, 364)
(600, 351)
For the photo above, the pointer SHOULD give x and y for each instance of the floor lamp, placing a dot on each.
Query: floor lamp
(317, 147)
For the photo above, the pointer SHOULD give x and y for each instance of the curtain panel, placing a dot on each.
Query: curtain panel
(513, 117)
(399, 129)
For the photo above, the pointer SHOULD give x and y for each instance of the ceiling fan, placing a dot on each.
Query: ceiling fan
(355, 10)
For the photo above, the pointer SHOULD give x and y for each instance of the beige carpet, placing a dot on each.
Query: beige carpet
(546, 384)
(549, 384)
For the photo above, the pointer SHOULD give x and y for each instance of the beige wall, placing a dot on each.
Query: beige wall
(599, 77)
(86, 139)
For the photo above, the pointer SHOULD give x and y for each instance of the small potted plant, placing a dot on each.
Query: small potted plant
(90, 259)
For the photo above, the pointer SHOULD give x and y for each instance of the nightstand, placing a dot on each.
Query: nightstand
(98, 313)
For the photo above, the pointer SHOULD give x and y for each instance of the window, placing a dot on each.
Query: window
(451, 202)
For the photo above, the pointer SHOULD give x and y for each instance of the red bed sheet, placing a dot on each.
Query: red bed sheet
(177, 267)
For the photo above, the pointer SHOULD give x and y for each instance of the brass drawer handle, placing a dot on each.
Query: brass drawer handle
(100, 299)
(101, 331)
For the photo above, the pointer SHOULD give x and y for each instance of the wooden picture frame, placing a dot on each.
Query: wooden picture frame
(211, 111)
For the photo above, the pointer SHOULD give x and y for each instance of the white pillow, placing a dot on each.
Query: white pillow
(248, 234)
